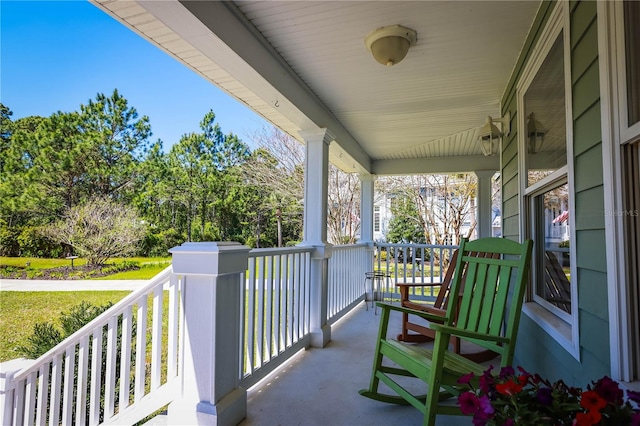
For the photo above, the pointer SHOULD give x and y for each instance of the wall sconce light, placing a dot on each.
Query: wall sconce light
(536, 132)
(489, 135)
(389, 45)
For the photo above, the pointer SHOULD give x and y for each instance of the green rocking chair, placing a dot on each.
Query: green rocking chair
(489, 313)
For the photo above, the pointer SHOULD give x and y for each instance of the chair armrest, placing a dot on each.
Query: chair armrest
(467, 333)
(424, 308)
(418, 284)
(425, 315)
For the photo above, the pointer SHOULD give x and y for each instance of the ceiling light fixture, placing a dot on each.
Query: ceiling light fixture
(389, 45)
(489, 135)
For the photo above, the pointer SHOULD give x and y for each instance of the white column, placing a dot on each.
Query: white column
(366, 208)
(483, 207)
(316, 172)
(211, 300)
(367, 183)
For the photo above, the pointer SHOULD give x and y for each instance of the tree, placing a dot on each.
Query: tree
(277, 167)
(118, 139)
(201, 169)
(406, 225)
(54, 163)
(5, 130)
(343, 216)
(99, 229)
(443, 203)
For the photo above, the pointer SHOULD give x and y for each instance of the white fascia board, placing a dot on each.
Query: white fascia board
(458, 164)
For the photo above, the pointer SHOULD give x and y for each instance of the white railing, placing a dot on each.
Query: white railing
(117, 369)
(412, 263)
(347, 267)
(127, 363)
(275, 310)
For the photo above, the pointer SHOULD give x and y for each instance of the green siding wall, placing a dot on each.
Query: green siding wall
(537, 351)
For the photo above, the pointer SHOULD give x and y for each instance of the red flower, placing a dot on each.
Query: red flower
(508, 388)
(522, 379)
(589, 418)
(592, 401)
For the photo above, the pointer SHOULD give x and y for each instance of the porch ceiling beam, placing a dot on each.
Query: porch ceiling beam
(459, 164)
(301, 105)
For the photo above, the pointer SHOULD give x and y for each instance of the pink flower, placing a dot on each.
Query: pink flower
(608, 389)
(485, 405)
(506, 372)
(469, 403)
(466, 379)
(486, 380)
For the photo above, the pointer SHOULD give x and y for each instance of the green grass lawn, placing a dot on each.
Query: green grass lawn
(19, 311)
(149, 266)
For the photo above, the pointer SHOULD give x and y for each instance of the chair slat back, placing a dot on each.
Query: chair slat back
(445, 287)
(493, 279)
(442, 300)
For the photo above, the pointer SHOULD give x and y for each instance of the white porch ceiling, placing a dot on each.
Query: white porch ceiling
(304, 65)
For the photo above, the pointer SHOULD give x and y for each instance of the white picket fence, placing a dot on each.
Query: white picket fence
(412, 263)
(126, 363)
(122, 361)
(275, 319)
(347, 267)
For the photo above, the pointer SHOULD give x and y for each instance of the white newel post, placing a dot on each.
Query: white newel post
(316, 173)
(8, 370)
(483, 216)
(211, 299)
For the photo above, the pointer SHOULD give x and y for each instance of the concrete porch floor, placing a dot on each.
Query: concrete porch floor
(320, 386)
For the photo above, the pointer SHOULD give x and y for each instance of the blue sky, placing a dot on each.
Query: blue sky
(56, 55)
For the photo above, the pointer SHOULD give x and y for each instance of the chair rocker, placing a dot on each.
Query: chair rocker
(487, 313)
(421, 331)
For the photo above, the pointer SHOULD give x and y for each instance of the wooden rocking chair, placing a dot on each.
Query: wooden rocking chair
(487, 314)
(556, 284)
(439, 307)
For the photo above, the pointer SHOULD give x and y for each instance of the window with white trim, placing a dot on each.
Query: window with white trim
(632, 60)
(544, 109)
(629, 69)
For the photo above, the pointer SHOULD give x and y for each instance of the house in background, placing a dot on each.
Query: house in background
(433, 199)
(560, 80)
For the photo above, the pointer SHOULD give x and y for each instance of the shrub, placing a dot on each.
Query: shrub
(9, 240)
(46, 335)
(158, 244)
(99, 229)
(34, 242)
(126, 265)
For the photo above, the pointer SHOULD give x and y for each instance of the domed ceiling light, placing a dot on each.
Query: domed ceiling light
(389, 45)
